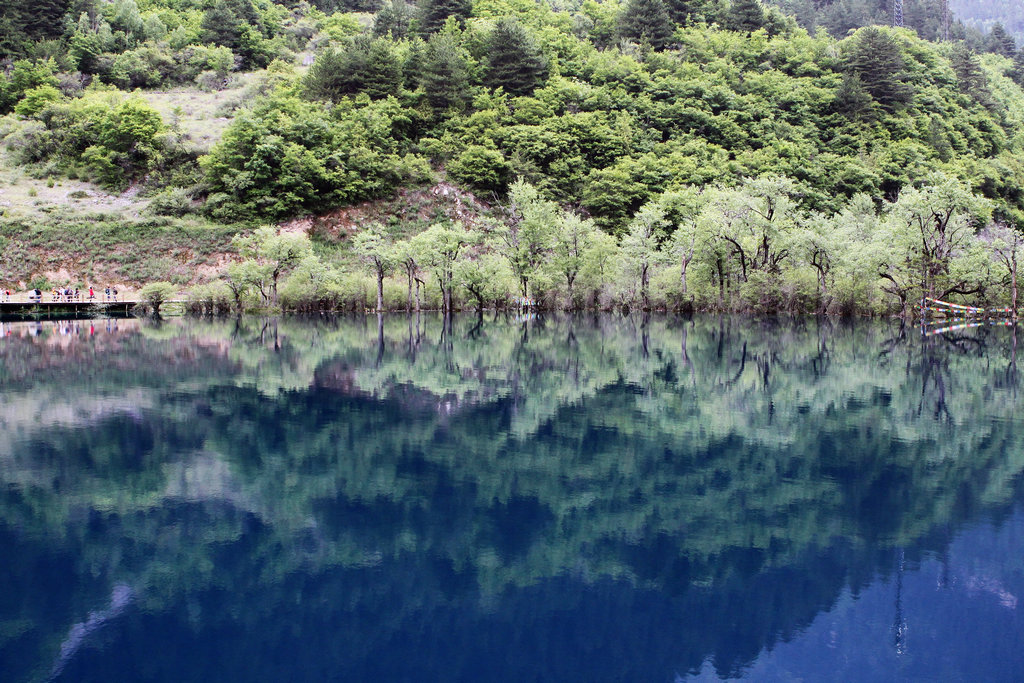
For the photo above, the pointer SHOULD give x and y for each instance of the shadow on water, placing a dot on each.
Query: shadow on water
(547, 498)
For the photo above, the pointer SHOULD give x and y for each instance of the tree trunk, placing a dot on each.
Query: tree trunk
(1013, 283)
(644, 279)
(721, 283)
(380, 290)
(408, 299)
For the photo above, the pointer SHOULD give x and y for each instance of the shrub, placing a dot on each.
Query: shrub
(36, 99)
(212, 298)
(210, 81)
(155, 294)
(29, 142)
(483, 168)
(170, 202)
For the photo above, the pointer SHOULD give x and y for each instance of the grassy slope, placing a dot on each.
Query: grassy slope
(73, 232)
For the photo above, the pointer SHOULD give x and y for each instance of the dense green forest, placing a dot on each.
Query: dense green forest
(652, 153)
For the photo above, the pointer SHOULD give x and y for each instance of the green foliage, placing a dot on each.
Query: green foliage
(24, 23)
(26, 76)
(289, 155)
(745, 15)
(363, 65)
(438, 248)
(513, 60)
(270, 255)
(393, 19)
(482, 168)
(114, 139)
(434, 13)
(444, 73)
(36, 99)
(969, 76)
(586, 106)
(170, 202)
(155, 294)
(646, 21)
(877, 60)
(213, 298)
(1000, 42)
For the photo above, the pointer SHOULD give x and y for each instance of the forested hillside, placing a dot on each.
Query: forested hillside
(985, 14)
(654, 153)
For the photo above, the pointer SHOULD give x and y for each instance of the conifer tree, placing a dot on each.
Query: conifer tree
(1000, 42)
(852, 100)
(1017, 72)
(877, 60)
(364, 65)
(433, 13)
(513, 60)
(969, 76)
(444, 75)
(221, 25)
(646, 21)
(393, 18)
(685, 12)
(24, 21)
(382, 71)
(745, 15)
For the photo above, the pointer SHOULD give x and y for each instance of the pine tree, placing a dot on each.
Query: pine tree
(513, 60)
(220, 25)
(382, 74)
(1017, 72)
(444, 75)
(364, 65)
(877, 60)
(969, 76)
(646, 21)
(433, 14)
(225, 22)
(24, 21)
(686, 12)
(1000, 42)
(852, 100)
(393, 18)
(745, 15)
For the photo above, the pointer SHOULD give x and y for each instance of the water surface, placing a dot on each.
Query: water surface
(548, 499)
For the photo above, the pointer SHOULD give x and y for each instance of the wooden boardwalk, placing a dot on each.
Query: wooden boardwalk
(64, 309)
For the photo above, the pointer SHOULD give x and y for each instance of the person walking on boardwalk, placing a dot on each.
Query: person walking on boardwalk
(92, 294)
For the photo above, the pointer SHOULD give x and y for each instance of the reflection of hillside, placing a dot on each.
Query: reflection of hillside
(717, 461)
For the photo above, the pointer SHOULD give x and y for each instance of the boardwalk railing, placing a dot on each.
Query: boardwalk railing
(50, 309)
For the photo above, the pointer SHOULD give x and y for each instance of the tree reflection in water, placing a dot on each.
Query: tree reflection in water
(557, 498)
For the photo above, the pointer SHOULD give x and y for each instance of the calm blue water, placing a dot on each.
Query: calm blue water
(598, 498)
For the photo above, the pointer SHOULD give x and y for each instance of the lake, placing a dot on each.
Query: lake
(538, 498)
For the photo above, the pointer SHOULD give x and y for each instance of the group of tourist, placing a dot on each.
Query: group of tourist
(66, 294)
